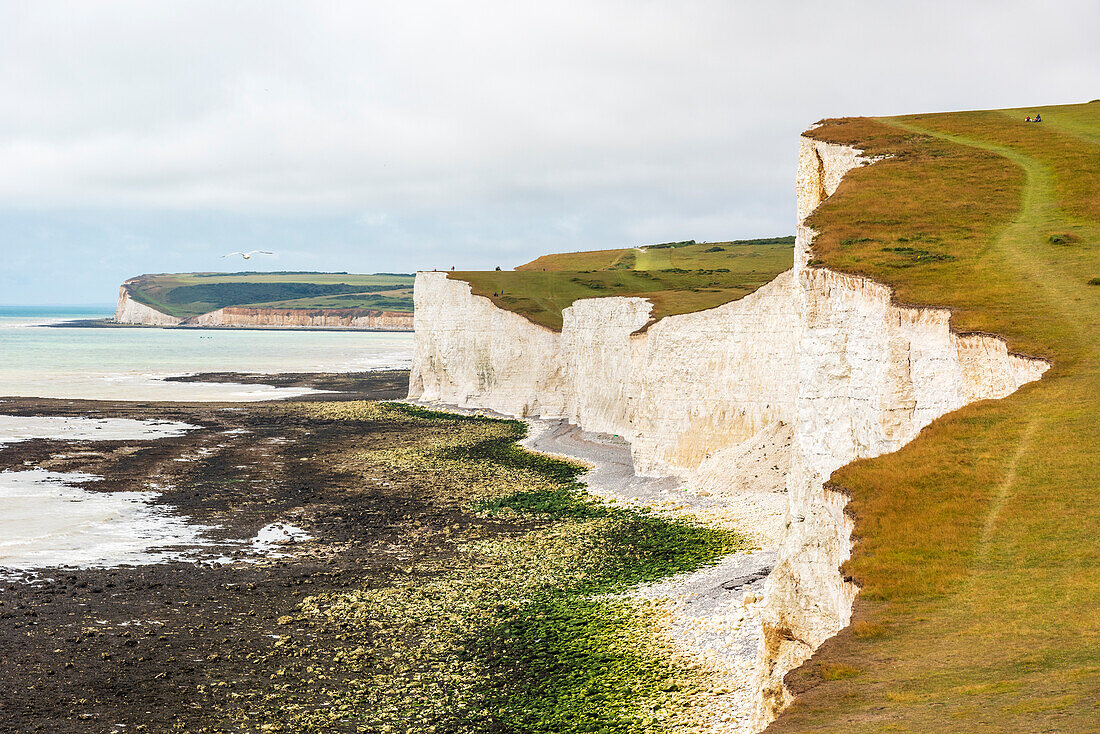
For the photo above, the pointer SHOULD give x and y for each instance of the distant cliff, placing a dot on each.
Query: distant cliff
(131, 311)
(316, 318)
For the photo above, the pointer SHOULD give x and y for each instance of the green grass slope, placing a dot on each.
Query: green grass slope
(978, 546)
(677, 277)
(191, 294)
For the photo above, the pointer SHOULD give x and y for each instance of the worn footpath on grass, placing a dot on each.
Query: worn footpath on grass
(975, 544)
(455, 583)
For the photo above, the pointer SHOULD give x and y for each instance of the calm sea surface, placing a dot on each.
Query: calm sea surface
(129, 364)
(50, 519)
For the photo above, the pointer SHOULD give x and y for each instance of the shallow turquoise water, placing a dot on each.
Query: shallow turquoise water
(129, 364)
(45, 518)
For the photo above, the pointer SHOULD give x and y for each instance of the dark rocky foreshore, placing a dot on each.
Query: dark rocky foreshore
(185, 646)
(454, 582)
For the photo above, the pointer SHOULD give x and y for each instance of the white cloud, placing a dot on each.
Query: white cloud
(675, 119)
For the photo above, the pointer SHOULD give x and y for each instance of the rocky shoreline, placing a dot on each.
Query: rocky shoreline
(449, 581)
(188, 646)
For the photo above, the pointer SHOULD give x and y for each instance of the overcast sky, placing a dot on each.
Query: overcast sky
(156, 136)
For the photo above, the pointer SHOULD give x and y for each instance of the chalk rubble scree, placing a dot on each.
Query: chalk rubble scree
(131, 311)
(827, 355)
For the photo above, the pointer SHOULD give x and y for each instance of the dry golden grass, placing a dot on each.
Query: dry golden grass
(977, 546)
(676, 280)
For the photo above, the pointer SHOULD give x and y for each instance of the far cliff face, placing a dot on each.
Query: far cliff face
(131, 311)
(300, 318)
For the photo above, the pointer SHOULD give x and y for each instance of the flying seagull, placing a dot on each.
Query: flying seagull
(248, 255)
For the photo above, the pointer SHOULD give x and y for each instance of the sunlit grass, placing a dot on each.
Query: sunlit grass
(676, 279)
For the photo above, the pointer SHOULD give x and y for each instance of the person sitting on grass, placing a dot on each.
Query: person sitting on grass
(1038, 118)
(1027, 119)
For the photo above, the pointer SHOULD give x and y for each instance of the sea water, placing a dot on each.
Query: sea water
(50, 519)
(131, 363)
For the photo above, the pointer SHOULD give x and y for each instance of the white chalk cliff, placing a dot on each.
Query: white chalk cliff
(849, 373)
(304, 318)
(129, 311)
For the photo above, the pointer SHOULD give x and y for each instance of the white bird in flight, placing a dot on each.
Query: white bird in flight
(248, 255)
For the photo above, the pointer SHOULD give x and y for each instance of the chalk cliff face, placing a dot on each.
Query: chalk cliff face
(469, 352)
(871, 375)
(682, 390)
(849, 375)
(130, 311)
(290, 318)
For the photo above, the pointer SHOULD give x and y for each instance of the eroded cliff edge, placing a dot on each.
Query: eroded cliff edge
(850, 374)
(131, 311)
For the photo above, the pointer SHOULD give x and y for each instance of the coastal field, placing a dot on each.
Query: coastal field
(976, 547)
(191, 294)
(677, 277)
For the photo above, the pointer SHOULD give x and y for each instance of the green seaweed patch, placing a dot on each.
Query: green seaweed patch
(554, 504)
(503, 452)
(574, 664)
(417, 411)
(640, 547)
(574, 659)
(358, 411)
(370, 411)
(636, 546)
(516, 626)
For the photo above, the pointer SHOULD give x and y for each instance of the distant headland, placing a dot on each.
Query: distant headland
(269, 300)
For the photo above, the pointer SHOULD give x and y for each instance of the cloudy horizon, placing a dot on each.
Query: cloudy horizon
(140, 137)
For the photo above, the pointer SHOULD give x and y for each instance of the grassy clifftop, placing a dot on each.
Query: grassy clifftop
(192, 294)
(678, 277)
(977, 552)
